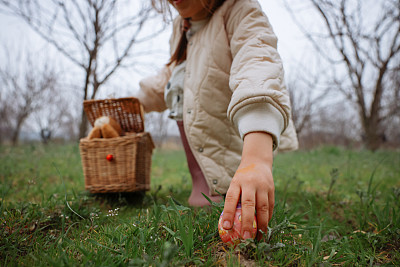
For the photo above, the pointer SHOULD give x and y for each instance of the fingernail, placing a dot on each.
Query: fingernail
(246, 235)
(227, 225)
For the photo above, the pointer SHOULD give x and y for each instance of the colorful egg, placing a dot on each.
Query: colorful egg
(232, 236)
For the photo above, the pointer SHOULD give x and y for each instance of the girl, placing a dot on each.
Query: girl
(224, 85)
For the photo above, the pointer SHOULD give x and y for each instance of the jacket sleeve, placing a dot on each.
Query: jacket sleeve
(256, 78)
(151, 93)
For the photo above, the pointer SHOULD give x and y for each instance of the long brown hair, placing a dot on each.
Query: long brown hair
(163, 7)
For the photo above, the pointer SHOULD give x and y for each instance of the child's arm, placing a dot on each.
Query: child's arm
(151, 93)
(253, 184)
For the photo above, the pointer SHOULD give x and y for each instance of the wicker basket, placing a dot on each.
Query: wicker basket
(129, 170)
(127, 111)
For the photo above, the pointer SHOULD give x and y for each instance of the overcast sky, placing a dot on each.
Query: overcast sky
(17, 35)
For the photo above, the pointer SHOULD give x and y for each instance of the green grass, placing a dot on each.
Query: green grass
(333, 207)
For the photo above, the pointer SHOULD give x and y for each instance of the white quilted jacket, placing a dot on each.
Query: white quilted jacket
(232, 63)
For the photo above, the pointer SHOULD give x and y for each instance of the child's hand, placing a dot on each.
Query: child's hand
(253, 185)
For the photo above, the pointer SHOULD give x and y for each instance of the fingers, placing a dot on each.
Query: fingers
(248, 209)
(256, 191)
(271, 203)
(231, 200)
(264, 213)
(265, 208)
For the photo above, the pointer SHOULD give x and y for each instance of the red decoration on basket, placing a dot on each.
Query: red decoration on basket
(232, 237)
(110, 157)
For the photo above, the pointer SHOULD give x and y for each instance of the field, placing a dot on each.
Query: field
(333, 207)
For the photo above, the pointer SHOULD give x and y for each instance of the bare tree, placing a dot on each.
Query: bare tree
(23, 89)
(159, 125)
(54, 118)
(98, 36)
(4, 125)
(361, 41)
(392, 107)
(301, 109)
(308, 95)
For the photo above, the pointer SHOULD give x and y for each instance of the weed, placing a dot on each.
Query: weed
(334, 176)
(182, 218)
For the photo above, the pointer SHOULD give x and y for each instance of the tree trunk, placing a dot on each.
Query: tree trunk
(14, 138)
(372, 141)
(83, 125)
(15, 135)
(372, 138)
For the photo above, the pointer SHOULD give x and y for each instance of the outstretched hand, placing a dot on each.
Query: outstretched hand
(252, 185)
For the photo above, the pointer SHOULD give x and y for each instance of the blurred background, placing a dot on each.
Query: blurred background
(341, 59)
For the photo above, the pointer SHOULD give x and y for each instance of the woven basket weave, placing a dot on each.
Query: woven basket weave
(129, 170)
(127, 111)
